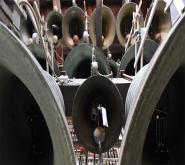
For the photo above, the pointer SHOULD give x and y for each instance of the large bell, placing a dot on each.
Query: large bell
(73, 24)
(127, 61)
(78, 62)
(124, 22)
(108, 27)
(161, 22)
(95, 94)
(155, 128)
(32, 119)
(54, 24)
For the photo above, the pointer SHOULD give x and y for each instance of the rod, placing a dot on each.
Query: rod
(146, 32)
(57, 5)
(98, 23)
(86, 17)
(125, 1)
(127, 76)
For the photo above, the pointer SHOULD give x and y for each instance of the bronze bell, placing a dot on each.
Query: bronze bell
(96, 131)
(73, 25)
(54, 24)
(124, 22)
(108, 27)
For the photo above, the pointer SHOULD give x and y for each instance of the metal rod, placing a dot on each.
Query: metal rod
(127, 76)
(135, 55)
(146, 32)
(86, 17)
(141, 59)
(98, 23)
(130, 36)
(168, 6)
(125, 1)
(57, 5)
(74, 2)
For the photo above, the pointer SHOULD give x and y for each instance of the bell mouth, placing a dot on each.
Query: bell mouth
(25, 138)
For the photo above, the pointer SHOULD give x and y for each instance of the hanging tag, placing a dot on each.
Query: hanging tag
(104, 116)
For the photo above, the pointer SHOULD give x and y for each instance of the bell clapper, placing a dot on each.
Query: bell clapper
(100, 116)
(94, 64)
(109, 55)
(99, 136)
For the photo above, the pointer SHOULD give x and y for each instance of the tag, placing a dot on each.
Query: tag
(104, 116)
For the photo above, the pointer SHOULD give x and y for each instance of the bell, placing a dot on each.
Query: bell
(108, 27)
(161, 23)
(127, 61)
(54, 24)
(157, 94)
(124, 22)
(73, 26)
(78, 62)
(98, 114)
(32, 119)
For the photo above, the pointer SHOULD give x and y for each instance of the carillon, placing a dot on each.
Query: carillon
(92, 82)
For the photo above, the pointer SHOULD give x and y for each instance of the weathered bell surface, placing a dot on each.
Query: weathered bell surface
(96, 131)
(54, 24)
(154, 129)
(78, 62)
(124, 22)
(108, 27)
(31, 109)
(39, 53)
(73, 25)
(127, 61)
(114, 67)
